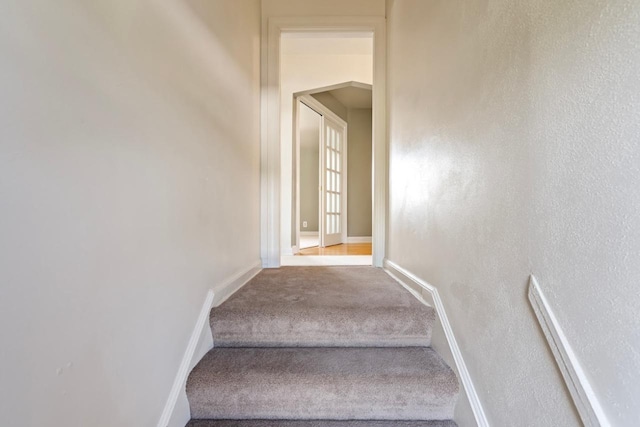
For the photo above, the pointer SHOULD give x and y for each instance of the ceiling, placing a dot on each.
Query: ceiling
(353, 97)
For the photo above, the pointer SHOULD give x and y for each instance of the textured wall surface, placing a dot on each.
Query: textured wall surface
(515, 149)
(129, 186)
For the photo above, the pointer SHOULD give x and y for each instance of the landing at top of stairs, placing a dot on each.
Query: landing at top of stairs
(322, 306)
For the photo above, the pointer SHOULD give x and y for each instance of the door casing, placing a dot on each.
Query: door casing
(270, 126)
(324, 113)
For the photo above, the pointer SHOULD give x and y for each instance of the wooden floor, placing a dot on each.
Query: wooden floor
(344, 249)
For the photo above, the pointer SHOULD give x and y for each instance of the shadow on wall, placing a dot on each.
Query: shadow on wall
(128, 191)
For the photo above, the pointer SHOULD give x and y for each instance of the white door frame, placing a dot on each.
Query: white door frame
(270, 127)
(323, 111)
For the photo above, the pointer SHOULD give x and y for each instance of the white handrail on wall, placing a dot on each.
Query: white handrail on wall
(583, 396)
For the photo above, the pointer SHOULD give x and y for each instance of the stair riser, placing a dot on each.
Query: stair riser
(323, 383)
(338, 329)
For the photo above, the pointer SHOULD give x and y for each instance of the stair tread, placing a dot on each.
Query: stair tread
(322, 306)
(322, 383)
(318, 423)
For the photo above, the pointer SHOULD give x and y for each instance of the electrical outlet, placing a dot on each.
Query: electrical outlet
(304, 224)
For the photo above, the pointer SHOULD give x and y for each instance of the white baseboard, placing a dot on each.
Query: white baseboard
(325, 260)
(309, 233)
(287, 251)
(413, 283)
(359, 239)
(582, 393)
(234, 283)
(168, 416)
(176, 410)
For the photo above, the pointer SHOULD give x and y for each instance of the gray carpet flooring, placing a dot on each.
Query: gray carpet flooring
(322, 306)
(318, 423)
(322, 347)
(323, 383)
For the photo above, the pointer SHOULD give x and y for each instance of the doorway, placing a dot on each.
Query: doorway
(277, 189)
(335, 62)
(344, 184)
(309, 128)
(321, 177)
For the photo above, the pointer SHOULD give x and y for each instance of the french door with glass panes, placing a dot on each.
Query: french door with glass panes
(332, 183)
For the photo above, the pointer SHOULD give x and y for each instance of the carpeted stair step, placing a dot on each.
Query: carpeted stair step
(318, 423)
(322, 306)
(409, 383)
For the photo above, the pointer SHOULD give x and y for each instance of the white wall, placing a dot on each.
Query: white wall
(129, 185)
(272, 8)
(514, 150)
(301, 72)
(332, 103)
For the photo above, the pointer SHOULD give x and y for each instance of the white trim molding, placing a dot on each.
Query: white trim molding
(234, 283)
(185, 365)
(582, 393)
(359, 239)
(403, 276)
(319, 108)
(176, 410)
(288, 251)
(358, 85)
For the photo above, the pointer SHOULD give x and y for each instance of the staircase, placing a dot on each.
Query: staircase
(322, 347)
